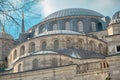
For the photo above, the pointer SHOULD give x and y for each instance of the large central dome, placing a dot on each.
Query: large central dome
(73, 12)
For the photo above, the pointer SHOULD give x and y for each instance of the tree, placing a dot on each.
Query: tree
(11, 10)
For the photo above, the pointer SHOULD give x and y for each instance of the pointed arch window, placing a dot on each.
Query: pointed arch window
(93, 26)
(22, 50)
(56, 44)
(35, 64)
(80, 26)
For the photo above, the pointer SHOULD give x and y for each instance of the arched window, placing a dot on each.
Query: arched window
(80, 26)
(44, 45)
(100, 47)
(93, 26)
(35, 64)
(56, 44)
(19, 68)
(80, 43)
(92, 46)
(68, 43)
(67, 26)
(99, 26)
(15, 54)
(55, 27)
(22, 50)
(32, 47)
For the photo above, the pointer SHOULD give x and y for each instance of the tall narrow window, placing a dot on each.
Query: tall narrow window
(55, 27)
(67, 25)
(22, 50)
(93, 26)
(32, 47)
(80, 26)
(19, 68)
(56, 44)
(35, 64)
(15, 54)
(44, 45)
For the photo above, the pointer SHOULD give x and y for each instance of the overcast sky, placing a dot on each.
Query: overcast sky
(105, 7)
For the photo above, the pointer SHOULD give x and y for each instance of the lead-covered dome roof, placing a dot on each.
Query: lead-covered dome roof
(116, 18)
(73, 12)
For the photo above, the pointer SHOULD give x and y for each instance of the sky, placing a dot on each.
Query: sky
(105, 7)
(46, 7)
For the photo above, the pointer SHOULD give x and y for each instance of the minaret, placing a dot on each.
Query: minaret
(23, 25)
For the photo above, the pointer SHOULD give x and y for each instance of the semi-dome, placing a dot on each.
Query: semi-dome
(73, 12)
(116, 18)
(4, 35)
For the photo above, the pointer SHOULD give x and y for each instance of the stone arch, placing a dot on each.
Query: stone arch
(100, 47)
(32, 47)
(80, 43)
(19, 67)
(43, 45)
(80, 26)
(92, 45)
(67, 25)
(15, 54)
(35, 64)
(56, 44)
(22, 50)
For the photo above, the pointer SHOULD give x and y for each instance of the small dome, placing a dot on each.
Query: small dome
(116, 18)
(5, 35)
(74, 12)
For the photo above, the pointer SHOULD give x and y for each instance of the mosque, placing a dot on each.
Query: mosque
(70, 44)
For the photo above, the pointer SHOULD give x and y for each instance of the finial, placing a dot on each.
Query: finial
(23, 26)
